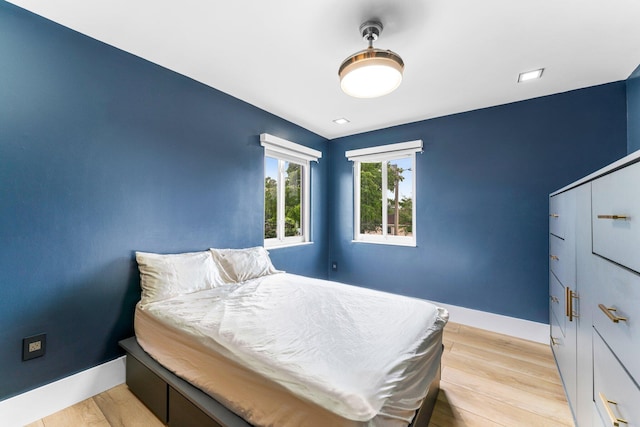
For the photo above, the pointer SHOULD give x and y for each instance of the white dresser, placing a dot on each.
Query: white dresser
(594, 289)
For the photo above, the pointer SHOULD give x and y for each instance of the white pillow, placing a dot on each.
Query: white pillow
(166, 276)
(239, 265)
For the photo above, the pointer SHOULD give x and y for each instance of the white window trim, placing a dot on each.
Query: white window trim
(280, 145)
(402, 149)
(282, 149)
(380, 154)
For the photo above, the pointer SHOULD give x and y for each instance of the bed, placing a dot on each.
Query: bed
(224, 332)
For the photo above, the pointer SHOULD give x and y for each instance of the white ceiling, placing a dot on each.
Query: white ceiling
(283, 55)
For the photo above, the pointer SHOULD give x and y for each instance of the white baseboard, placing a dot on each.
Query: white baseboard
(520, 328)
(33, 405)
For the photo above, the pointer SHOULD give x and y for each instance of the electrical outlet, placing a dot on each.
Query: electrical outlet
(34, 346)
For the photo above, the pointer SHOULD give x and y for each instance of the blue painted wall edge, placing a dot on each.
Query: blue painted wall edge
(482, 199)
(103, 153)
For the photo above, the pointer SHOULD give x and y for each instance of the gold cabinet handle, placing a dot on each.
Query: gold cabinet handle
(624, 217)
(554, 341)
(554, 257)
(554, 215)
(569, 295)
(615, 421)
(608, 311)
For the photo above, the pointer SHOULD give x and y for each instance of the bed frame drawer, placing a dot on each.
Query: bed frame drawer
(186, 414)
(151, 381)
(187, 406)
(148, 387)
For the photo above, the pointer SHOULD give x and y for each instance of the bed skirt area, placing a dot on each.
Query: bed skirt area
(179, 404)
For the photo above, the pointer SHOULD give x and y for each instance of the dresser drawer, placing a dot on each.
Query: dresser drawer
(562, 260)
(557, 304)
(564, 352)
(557, 338)
(562, 209)
(557, 216)
(615, 394)
(619, 289)
(615, 216)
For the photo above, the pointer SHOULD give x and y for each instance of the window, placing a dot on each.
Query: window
(385, 193)
(286, 191)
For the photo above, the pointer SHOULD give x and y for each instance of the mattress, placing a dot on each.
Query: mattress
(289, 350)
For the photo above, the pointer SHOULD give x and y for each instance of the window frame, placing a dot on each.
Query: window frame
(287, 151)
(383, 154)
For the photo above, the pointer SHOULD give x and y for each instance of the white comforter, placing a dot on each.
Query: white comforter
(350, 350)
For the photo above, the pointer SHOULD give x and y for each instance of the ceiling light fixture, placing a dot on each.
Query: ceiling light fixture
(371, 72)
(530, 75)
(341, 121)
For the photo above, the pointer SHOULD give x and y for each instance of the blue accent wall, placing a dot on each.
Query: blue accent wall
(482, 199)
(633, 111)
(101, 154)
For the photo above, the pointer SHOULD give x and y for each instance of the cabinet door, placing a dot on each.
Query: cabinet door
(585, 284)
(562, 278)
(596, 419)
(564, 350)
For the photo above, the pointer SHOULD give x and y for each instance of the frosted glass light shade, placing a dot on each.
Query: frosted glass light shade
(371, 73)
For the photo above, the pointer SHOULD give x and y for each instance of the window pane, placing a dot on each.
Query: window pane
(400, 197)
(292, 199)
(371, 198)
(270, 197)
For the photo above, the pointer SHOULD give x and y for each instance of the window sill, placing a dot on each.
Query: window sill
(371, 242)
(287, 245)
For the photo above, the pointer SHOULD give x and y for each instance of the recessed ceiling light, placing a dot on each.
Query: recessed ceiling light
(341, 121)
(530, 75)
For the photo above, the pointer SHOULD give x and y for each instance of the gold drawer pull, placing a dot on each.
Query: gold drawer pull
(554, 215)
(554, 257)
(615, 421)
(569, 295)
(608, 311)
(613, 217)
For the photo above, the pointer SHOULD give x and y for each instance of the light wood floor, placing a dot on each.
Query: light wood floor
(487, 380)
(490, 379)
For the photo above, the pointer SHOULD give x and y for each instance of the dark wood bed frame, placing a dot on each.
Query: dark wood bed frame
(179, 404)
